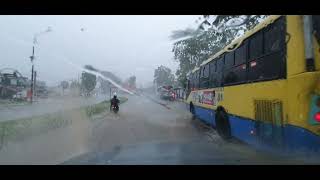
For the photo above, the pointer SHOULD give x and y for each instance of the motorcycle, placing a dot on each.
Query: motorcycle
(115, 108)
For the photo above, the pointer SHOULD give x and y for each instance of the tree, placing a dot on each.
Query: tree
(64, 85)
(75, 87)
(163, 76)
(212, 35)
(105, 85)
(132, 82)
(88, 80)
(74, 84)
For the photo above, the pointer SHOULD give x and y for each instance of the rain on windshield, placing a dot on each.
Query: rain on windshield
(200, 89)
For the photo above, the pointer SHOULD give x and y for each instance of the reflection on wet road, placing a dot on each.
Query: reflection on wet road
(146, 132)
(44, 106)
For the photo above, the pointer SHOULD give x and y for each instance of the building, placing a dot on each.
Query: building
(13, 85)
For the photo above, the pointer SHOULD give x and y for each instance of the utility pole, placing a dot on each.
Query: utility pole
(110, 89)
(32, 58)
(34, 84)
(32, 81)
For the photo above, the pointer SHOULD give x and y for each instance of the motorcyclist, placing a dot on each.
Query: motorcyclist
(115, 101)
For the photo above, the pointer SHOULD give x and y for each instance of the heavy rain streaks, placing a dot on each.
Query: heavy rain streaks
(58, 108)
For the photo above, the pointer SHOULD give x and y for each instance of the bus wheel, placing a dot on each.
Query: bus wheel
(222, 124)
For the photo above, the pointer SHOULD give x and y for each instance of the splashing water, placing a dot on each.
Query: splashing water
(102, 76)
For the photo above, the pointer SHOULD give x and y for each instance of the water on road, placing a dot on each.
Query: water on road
(143, 132)
(43, 106)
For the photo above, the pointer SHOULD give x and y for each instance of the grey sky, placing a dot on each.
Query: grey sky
(125, 45)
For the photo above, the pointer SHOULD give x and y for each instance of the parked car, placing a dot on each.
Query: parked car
(166, 94)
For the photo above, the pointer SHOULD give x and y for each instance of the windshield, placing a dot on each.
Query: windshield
(58, 75)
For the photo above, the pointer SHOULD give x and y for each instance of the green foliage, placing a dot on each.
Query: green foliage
(74, 84)
(132, 82)
(201, 44)
(163, 76)
(99, 108)
(64, 84)
(20, 129)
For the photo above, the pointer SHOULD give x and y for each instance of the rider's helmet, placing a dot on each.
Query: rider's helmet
(115, 95)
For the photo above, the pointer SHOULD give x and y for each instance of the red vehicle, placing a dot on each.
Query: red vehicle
(167, 93)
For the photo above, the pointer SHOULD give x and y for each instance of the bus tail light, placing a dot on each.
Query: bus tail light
(314, 112)
(317, 117)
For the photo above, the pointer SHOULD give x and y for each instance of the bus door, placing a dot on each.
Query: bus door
(269, 122)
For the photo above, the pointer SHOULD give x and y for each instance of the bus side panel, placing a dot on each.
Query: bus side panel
(206, 115)
(297, 138)
(300, 89)
(295, 48)
(239, 99)
(296, 60)
(241, 129)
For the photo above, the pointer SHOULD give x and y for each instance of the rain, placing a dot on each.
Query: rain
(157, 89)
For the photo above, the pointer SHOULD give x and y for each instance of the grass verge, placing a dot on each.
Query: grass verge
(20, 129)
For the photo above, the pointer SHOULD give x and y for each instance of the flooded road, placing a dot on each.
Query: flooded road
(43, 106)
(144, 132)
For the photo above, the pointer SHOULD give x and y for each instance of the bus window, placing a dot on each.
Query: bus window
(230, 77)
(256, 46)
(206, 71)
(271, 64)
(188, 84)
(241, 54)
(237, 74)
(229, 60)
(316, 26)
(268, 67)
(202, 70)
(196, 79)
(213, 67)
(204, 79)
(220, 67)
(213, 74)
(274, 36)
(220, 64)
(191, 81)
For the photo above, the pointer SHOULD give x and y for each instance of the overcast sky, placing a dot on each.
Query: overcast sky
(125, 45)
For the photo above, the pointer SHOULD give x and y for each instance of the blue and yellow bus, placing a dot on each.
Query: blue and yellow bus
(264, 87)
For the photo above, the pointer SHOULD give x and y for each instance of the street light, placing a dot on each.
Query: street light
(32, 58)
